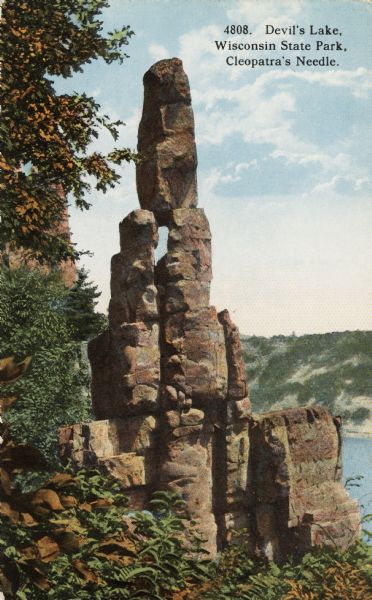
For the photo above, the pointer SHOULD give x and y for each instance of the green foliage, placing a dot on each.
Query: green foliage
(73, 538)
(78, 541)
(80, 309)
(33, 323)
(46, 137)
(165, 552)
(323, 574)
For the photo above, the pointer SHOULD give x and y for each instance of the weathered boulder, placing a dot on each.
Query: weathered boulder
(298, 497)
(166, 176)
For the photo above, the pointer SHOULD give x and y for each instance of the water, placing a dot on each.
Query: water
(357, 460)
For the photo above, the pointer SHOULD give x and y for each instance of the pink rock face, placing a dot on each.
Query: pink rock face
(185, 272)
(186, 468)
(134, 296)
(299, 499)
(166, 176)
(125, 370)
(194, 359)
(168, 376)
(237, 387)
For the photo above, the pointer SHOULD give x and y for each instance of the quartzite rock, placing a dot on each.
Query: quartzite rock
(237, 387)
(169, 378)
(299, 498)
(133, 293)
(125, 370)
(126, 448)
(186, 469)
(90, 441)
(166, 176)
(185, 272)
(194, 359)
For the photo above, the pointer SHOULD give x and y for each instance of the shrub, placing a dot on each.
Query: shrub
(33, 323)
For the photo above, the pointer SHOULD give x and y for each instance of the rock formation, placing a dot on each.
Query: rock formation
(168, 378)
(297, 491)
(166, 177)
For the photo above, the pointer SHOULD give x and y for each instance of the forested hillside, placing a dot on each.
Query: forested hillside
(332, 369)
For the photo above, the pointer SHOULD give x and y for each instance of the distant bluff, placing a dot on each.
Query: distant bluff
(333, 370)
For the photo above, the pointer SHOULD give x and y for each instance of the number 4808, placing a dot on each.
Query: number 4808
(236, 29)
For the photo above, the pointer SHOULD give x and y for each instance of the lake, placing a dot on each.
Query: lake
(357, 460)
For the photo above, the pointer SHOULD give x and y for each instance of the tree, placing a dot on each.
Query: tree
(80, 308)
(54, 390)
(45, 137)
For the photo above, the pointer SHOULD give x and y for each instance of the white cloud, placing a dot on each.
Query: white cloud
(208, 183)
(265, 108)
(262, 112)
(201, 60)
(259, 12)
(157, 52)
(250, 113)
(345, 184)
(358, 81)
(281, 262)
(340, 161)
(254, 106)
(237, 170)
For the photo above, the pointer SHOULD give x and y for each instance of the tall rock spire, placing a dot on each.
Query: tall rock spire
(169, 378)
(166, 176)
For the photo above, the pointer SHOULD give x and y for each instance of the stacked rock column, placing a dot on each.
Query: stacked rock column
(193, 358)
(125, 359)
(193, 366)
(125, 362)
(168, 376)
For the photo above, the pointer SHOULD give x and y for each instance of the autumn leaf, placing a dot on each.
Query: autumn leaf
(48, 549)
(85, 572)
(61, 479)
(6, 402)
(5, 482)
(10, 370)
(50, 131)
(120, 546)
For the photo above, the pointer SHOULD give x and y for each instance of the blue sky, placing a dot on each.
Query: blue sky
(284, 157)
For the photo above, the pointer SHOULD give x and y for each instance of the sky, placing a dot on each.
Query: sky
(284, 154)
